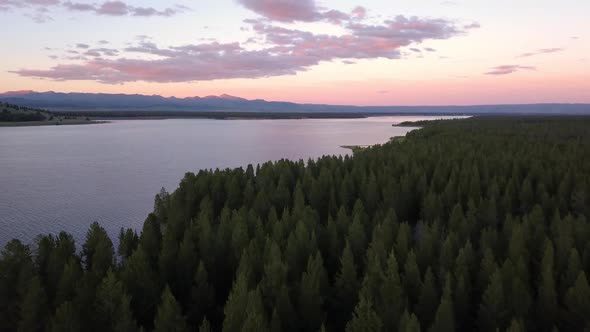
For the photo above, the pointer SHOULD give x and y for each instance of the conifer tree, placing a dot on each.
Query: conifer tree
(113, 310)
(364, 319)
(428, 300)
(577, 301)
(66, 319)
(445, 318)
(492, 310)
(311, 298)
(34, 308)
(347, 285)
(409, 323)
(169, 317)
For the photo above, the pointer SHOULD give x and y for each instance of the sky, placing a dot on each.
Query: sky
(342, 52)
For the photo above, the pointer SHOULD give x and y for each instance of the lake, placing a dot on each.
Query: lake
(66, 177)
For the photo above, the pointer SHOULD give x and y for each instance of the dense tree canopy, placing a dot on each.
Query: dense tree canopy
(477, 224)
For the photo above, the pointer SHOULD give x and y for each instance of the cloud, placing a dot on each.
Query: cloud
(81, 45)
(120, 8)
(8, 4)
(284, 10)
(508, 69)
(283, 51)
(290, 11)
(540, 51)
(359, 12)
(108, 8)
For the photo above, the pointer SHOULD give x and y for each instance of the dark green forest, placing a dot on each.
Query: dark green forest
(478, 224)
(15, 113)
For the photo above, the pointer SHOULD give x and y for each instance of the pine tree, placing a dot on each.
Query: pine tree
(98, 252)
(235, 307)
(412, 279)
(186, 264)
(255, 317)
(311, 298)
(364, 319)
(516, 326)
(34, 308)
(462, 309)
(357, 238)
(577, 301)
(113, 310)
(393, 299)
(66, 319)
(547, 307)
(492, 308)
(347, 285)
(428, 301)
(205, 326)
(409, 323)
(202, 296)
(128, 242)
(66, 289)
(445, 318)
(143, 286)
(169, 317)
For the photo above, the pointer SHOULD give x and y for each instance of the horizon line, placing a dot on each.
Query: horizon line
(15, 93)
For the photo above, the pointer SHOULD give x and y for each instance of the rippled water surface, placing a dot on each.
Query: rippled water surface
(66, 177)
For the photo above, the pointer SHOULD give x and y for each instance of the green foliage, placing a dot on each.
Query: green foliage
(472, 225)
(112, 306)
(34, 308)
(169, 317)
(365, 319)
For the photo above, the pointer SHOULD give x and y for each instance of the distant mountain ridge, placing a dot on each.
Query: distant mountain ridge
(113, 102)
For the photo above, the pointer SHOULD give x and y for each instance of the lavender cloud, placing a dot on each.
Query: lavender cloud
(120, 8)
(108, 8)
(290, 11)
(284, 52)
(284, 10)
(540, 51)
(508, 69)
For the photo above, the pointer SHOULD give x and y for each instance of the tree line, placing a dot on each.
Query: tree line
(467, 225)
(16, 113)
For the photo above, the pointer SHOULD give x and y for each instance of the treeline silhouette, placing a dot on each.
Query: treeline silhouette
(15, 113)
(204, 114)
(475, 224)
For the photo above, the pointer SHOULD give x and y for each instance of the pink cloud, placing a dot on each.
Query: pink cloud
(359, 12)
(114, 8)
(300, 10)
(508, 69)
(285, 52)
(284, 10)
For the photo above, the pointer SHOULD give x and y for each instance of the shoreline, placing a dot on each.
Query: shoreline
(50, 123)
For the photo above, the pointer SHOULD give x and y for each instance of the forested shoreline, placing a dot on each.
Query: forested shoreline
(472, 224)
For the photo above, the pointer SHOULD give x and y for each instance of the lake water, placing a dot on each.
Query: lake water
(66, 177)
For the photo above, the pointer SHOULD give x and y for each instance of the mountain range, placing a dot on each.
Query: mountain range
(57, 101)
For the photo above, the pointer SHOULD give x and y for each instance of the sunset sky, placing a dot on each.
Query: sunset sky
(358, 52)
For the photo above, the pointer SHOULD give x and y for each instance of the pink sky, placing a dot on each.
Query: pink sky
(336, 52)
